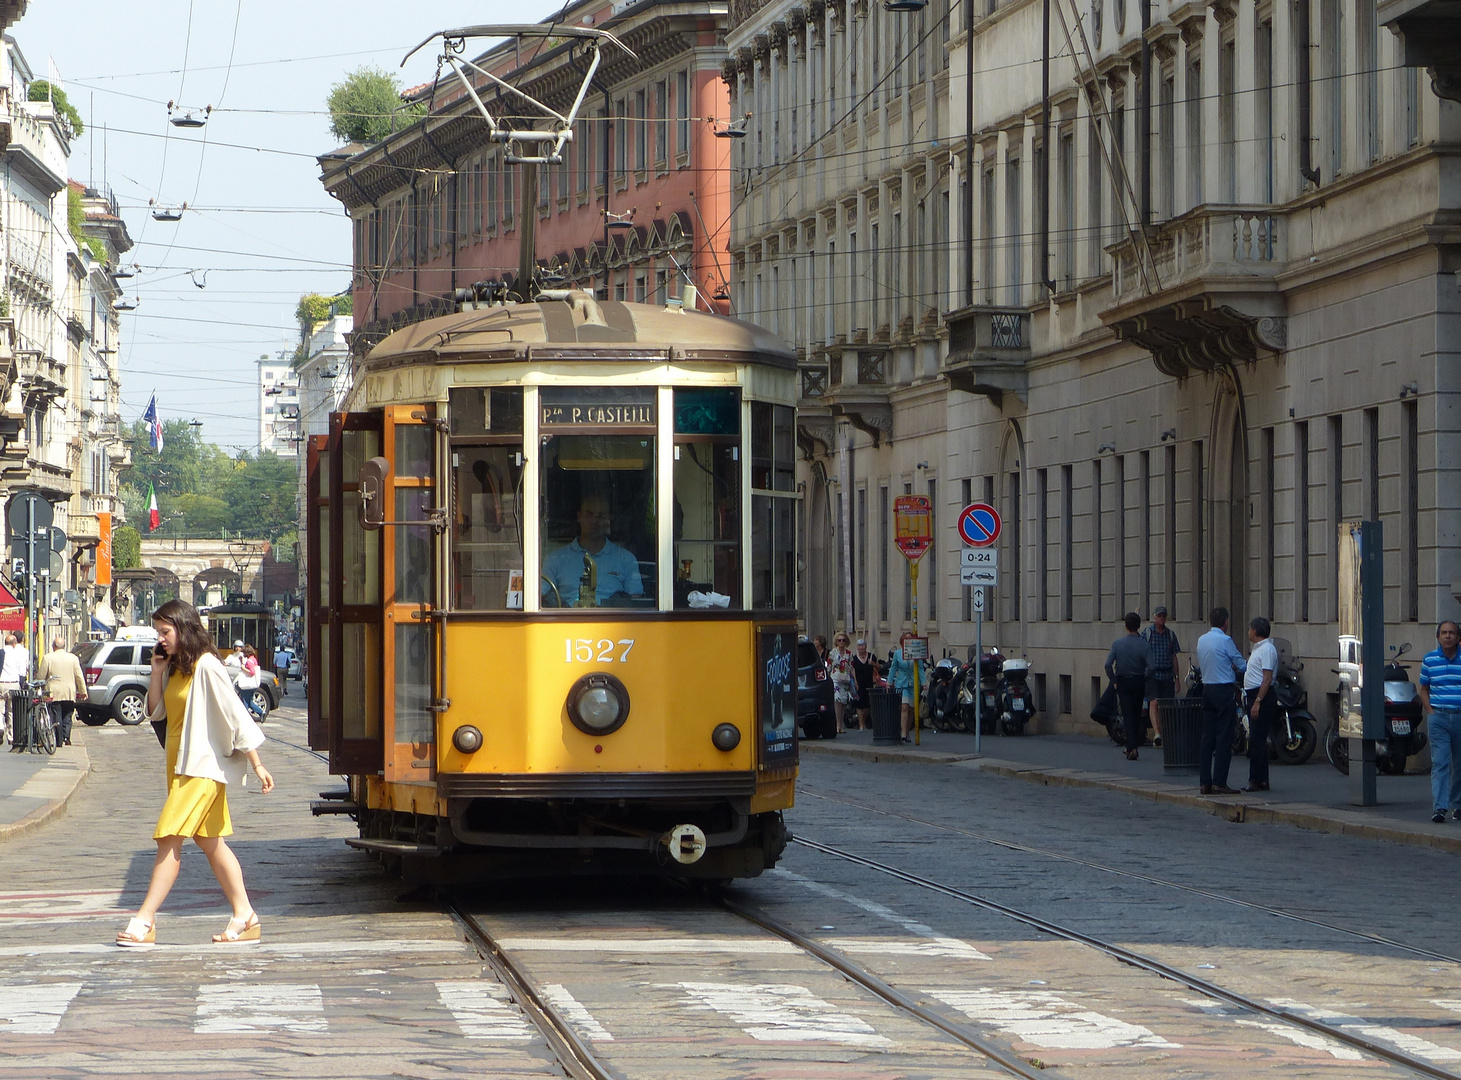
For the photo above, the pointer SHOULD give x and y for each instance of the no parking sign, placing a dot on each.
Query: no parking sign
(979, 525)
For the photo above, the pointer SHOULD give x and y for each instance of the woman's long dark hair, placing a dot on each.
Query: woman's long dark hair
(193, 639)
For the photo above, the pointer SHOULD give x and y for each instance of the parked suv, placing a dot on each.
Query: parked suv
(814, 710)
(117, 673)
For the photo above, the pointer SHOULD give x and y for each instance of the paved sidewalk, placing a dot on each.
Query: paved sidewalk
(1313, 796)
(34, 788)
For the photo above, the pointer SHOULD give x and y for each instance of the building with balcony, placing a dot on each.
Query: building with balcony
(1209, 312)
(635, 210)
(278, 407)
(59, 388)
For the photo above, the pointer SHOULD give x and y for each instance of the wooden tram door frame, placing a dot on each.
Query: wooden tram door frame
(407, 757)
(351, 756)
(316, 510)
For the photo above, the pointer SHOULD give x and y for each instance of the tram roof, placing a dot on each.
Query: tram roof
(556, 329)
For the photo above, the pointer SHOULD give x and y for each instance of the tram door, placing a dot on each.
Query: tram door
(413, 446)
(351, 683)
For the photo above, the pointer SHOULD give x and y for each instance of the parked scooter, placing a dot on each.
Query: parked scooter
(981, 678)
(1403, 716)
(938, 695)
(1016, 702)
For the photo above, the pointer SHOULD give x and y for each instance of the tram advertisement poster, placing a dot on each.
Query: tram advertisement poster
(778, 697)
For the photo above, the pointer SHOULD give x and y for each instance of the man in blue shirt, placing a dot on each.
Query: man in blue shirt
(617, 568)
(1440, 696)
(1221, 665)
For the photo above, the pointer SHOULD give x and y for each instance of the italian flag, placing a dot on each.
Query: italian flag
(154, 519)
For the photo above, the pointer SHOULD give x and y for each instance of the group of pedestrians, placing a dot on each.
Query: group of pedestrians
(1144, 665)
(854, 673)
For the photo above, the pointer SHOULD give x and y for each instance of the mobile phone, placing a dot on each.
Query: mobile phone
(158, 650)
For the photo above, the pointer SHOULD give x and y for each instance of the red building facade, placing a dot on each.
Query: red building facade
(638, 208)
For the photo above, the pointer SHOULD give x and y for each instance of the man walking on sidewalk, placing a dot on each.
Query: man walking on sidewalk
(1220, 663)
(66, 685)
(1127, 665)
(1259, 700)
(1440, 696)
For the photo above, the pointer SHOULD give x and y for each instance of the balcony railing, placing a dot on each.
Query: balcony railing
(989, 350)
(1210, 242)
(1201, 292)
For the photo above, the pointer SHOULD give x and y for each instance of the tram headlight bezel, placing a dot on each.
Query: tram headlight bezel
(589, 696)
(725, 737)
(467, 739)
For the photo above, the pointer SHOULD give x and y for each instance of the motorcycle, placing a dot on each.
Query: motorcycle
(983, 678)
(936, 699)
(1016, 701)
(1403, 716)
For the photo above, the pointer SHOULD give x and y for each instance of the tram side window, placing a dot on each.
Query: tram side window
(597, 496)
(487, 517)
(773, 507)
(707, 524)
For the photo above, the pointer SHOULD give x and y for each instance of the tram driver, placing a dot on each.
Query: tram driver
(591, 556)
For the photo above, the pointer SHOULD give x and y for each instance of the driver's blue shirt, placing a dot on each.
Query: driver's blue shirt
(618, 572)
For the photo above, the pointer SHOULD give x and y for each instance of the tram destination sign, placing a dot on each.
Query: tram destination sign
(590, 414)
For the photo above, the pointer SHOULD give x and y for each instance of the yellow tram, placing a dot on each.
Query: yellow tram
(552, 570)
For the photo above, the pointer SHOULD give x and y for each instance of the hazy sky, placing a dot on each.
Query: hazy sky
(218, 288)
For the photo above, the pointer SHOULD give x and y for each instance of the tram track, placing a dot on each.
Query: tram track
(1140, 961)
(1207, 894)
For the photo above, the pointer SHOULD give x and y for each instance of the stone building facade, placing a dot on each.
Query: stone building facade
(1241, 330)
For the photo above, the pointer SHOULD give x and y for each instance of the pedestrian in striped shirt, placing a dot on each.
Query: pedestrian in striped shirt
(1440, 696)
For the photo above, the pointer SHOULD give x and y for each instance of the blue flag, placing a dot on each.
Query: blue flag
(154, 425)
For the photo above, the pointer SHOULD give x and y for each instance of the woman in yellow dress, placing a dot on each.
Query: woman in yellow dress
(210, 738)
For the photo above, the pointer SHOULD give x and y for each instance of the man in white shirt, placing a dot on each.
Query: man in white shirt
(1259, 700)
(14, 667)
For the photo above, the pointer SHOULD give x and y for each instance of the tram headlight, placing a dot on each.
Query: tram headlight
(726, 737)
(598, 704)
(467, 739)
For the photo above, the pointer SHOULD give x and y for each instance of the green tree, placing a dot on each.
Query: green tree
(42, 90)
(126, 548)
(263, 493)
(366, 106)
(76, 225)
(202, 514)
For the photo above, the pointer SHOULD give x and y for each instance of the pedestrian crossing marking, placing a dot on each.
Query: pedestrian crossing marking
(1049, 1021)
(1410, 1044)
(35, 1008)
(246, 1008)
(483, 1011)
(775, 1012)
(954, 946)
(575, 1013)
(1296, 1035)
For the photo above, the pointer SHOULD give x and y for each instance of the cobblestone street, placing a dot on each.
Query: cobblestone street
(358, 978)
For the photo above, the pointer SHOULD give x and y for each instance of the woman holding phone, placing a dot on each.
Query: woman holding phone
(210, 740)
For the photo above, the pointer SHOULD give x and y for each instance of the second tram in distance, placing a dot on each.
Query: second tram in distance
(552, 570)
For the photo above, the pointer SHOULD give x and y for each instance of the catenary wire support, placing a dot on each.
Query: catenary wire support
(525, 146)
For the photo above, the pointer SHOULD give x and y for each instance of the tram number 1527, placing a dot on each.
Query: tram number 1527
(586, 650)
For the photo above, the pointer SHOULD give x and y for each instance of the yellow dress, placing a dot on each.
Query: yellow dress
(196, 805)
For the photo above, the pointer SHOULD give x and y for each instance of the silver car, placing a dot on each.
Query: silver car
(117, 674)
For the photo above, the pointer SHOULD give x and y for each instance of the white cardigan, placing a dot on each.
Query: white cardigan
(218, 731)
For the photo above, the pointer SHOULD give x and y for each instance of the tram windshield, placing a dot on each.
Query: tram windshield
(597, 497)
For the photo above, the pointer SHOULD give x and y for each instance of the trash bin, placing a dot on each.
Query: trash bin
(887, 721)
(1181, 720)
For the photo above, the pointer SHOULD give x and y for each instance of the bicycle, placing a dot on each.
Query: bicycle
(35, 706)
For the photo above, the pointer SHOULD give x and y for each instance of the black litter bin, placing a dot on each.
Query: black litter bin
(887, 721)
(1181, 720)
